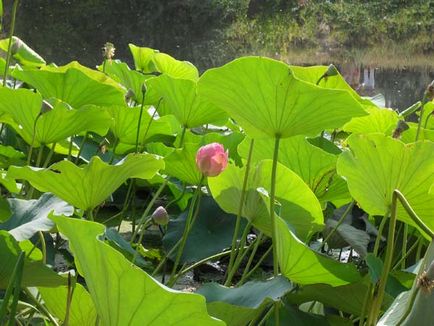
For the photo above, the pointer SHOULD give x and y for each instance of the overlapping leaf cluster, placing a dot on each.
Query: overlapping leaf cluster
(78, 142)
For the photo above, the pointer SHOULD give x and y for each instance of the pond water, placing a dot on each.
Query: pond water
(60, 32)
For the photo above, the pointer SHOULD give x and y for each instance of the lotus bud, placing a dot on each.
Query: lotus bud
(211, 159)
(160, 216)
(144, 88)
(108, 51)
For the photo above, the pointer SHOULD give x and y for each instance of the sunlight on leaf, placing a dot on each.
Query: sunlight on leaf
(267, 99)
(376, 165)
(141, 300)
(88, 186)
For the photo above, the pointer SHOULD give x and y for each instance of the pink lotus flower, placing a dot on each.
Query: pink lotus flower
(212, 159)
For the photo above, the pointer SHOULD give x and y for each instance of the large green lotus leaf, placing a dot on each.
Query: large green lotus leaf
(168, 65)
(62, 122)
(315, 166)
(291, 315)
(313, 73)
(297, 203)
(181, 164)
(125, 123)
(24, 106)
(31, 216)
(428, 110)
(10, 156)
(88, 186)
(267, 99)
(238, 306)
(82, 311)
(22, 53)
(414, 307)
(348, 298)
(302, 265)
(377, 164)
(35, 272)
(74, 84)
(142, 57)
(337, 192)
(180, 98)
(139, 299)
(131, 79)
(378, 120)
(9, 183)
(91, 73)
(149, 60)
(213, 228)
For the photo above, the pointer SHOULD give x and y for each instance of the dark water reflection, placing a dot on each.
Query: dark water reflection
(62, 31)
(400, 87)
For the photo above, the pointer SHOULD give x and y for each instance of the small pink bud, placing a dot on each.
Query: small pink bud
(212, 159)
(160, 216)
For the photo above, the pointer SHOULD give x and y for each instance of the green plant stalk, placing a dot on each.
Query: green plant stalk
(89, 214)
(409, 251)
(200, 262)
(71, 142)
(40, 307)
(162, 262)
(340, 221)
(273, 221)
(43, 247)
(268, 314)
(145, 214)
(404, 245)
(241, 206)
(181, 141)
(150, 121)
(413, 214)
(369, 292)
(11, 35)
(257, 265)
(17, 289)
(139, 122)
(380, 233)
(69, 295)
(419, 249)
(38, 163)
(379, 295)
(49, 156)
(81, 147)
(187, 228)
(427, 120)
(419, 125)
(365, 304)
(252, 255)
(410, 109)
(240, 255)
(12, 283)
(148, 208)
(273, 204)
(177, 199)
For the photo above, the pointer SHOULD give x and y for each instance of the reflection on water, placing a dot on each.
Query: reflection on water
(61, 32)
(399, 87)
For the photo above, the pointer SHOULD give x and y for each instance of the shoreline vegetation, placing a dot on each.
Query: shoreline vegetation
(388, 34)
